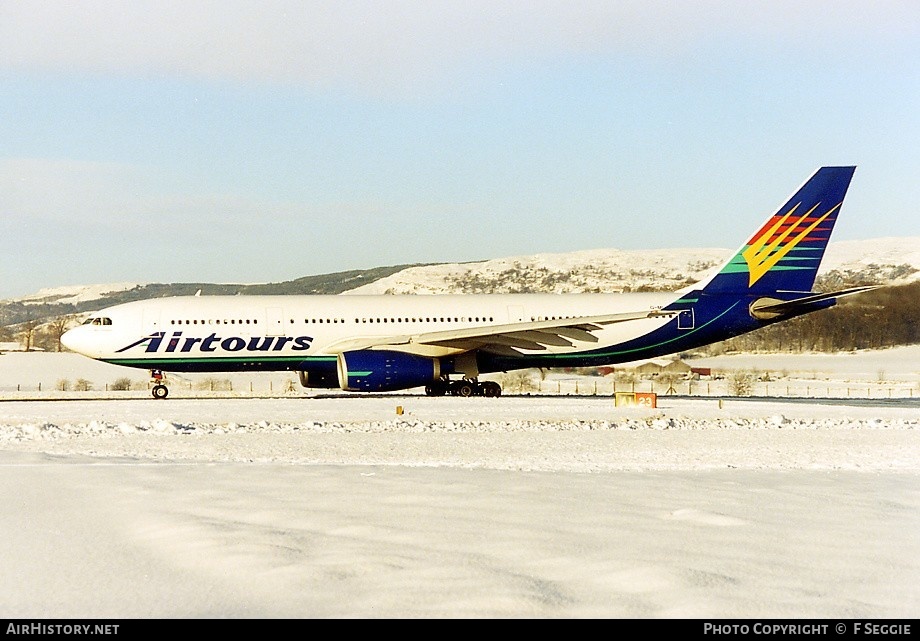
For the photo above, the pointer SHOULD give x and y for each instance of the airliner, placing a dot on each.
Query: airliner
(443, 343)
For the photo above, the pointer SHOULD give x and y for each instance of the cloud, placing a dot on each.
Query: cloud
(380, 46)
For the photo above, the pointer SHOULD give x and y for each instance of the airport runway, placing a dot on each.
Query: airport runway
(513, 507)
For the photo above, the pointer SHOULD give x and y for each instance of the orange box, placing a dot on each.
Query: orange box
(646, 399)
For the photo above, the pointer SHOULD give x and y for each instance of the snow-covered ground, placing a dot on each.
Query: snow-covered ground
(307, 505)
(888, 373)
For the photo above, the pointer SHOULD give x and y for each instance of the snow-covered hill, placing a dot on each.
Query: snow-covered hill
(75, 293)
(606, 270)
(892, 261)
(882, 260)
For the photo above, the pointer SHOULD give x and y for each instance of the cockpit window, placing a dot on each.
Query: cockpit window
(99, 320)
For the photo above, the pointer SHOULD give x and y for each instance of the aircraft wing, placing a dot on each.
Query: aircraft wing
(507, 339)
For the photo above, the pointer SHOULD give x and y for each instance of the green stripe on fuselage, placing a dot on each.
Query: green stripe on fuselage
(163, 363)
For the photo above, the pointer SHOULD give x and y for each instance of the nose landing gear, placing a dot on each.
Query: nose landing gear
(159, 390)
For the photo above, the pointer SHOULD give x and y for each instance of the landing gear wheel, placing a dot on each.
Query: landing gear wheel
(160, 391)
(491, 388)
(464, 389)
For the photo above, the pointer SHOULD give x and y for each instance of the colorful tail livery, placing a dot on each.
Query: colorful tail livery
(784, 254)
(387, 343)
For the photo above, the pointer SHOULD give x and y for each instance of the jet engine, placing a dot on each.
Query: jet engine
(384, 371)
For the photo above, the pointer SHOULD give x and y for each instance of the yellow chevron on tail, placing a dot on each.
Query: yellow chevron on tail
(761, 257)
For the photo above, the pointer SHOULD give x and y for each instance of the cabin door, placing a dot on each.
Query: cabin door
(151, 321)
(274, 321)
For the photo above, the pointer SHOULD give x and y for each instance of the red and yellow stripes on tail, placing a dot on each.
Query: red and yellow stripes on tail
(773, 243)
(786, 251)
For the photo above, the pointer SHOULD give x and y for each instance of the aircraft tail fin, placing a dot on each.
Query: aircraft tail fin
(785, 253)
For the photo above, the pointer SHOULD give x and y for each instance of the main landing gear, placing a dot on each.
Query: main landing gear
(159, 390)
(464, 387)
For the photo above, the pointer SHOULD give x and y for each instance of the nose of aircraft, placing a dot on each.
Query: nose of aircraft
(71, 339)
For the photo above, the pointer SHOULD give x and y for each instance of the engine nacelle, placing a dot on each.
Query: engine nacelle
(384, 371)
(319, 377)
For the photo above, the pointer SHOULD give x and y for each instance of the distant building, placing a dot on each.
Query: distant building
(650, 368)
(657, 366)
(677, 367)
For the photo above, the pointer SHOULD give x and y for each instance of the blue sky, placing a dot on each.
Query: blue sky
(264, 141)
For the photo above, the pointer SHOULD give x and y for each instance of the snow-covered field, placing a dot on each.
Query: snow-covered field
(889, 373)
(404, 506)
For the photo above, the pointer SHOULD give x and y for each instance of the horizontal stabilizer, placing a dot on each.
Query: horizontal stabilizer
(769, 308)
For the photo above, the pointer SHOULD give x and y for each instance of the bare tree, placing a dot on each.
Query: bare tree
(56, 329)
(26, 333)
(741, 382)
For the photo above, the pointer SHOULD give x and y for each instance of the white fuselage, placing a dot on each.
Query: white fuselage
(214, 327)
